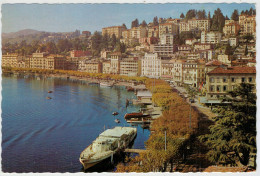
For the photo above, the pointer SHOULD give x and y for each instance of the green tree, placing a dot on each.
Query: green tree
(235, 15)
(190, 14)
(124, 25)
(233, 136)
(96, 41)
(218, 21)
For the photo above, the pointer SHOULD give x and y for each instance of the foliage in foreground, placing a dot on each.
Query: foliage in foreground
(233, 136)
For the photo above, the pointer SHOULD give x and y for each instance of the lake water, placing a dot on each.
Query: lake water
(41, 135)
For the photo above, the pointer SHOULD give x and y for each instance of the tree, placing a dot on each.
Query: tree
(201, 14)
(209, 17)
(218, 21)
(96, 41)
(226, 18)
(235, 15)
(182, 16)
(144, 24)
(124, 25)
(228, 50)
(190, 14)
(155, 21)
(135, 23)
(113, 41)
(233, 136)
(246, 51)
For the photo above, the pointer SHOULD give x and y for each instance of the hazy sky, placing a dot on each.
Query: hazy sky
(92, 17)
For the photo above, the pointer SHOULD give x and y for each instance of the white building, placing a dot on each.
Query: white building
(210, 37)
(151, 65)
(166, 39)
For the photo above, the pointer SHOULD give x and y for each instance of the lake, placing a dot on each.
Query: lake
(48, 135)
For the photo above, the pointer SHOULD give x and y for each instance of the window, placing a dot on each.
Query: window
(224, 88)
(218, 80)
(242, 80)
(250, 79)
(218, 88)
(233, 79)
(212, 88)
(211, 80)
(224, 79)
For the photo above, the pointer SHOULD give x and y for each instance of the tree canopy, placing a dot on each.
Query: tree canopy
(233, 136)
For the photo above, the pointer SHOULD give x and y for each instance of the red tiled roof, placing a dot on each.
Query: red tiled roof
(214, 63)
(231, 70)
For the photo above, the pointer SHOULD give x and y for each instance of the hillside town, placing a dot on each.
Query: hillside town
(192, 65)
(212, 61)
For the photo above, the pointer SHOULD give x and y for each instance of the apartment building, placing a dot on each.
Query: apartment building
(163, 50)
(194, 73)
(90, 66)
(151, 65)
(210, 37)
(166, 39)
(221, 80)
(130, 66)
(80, 53)
(167, 69)
(117, 30)
(231, 28)
(138, 32)
(57, 62)
(37, 60)
(247, 24)
(9, 60)
(153, 31)
(168, 28)
(106, 67)
(195, 25)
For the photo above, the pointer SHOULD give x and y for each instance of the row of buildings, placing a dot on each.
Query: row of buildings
(214, 76)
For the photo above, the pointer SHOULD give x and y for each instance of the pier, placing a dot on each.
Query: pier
(134, 150)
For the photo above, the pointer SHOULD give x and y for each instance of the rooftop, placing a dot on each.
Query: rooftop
(230, 70)
(214, 63)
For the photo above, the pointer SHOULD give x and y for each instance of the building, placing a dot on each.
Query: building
(177, 71)
(115, 59)
(224, 59)
(80, 53)
(166, 70)
(117, 30)
(10, 60)
(138, 32)
(153, 31)
(184, 48)
(86, 33)
(231, 28)
(130, 66)
(194, 73)
(37, 60)
(151, 65)
(233, 41)
(210, 37)
(164, 50)
(166, 39)
(106, 67)
(247, 24)
(211, 65)
(221, 80)
(203, 46)
(168, 28)
(195, 25)
(190, 41)
(55, 62)
(90, 66)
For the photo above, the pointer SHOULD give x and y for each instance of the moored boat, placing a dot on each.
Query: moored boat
(117, 120)
(115, 113)
(110, 142)
(106, 84)
(135, 115)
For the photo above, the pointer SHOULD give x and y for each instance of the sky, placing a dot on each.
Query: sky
(93, 17)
